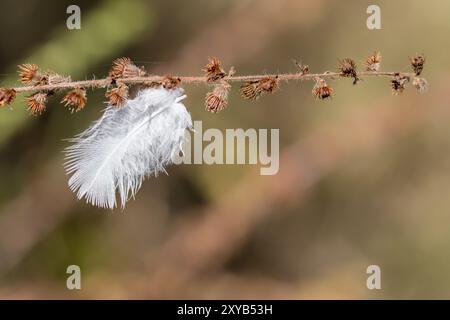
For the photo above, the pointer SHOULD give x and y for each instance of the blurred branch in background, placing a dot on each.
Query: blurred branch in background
(41, 206)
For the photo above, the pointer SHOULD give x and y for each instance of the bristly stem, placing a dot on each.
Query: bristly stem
(101, 83)
(124, 73)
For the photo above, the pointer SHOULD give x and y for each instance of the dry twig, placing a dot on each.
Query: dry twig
(124, 73)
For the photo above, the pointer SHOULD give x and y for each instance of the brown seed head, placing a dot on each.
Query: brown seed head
(75, 99)
(252, 90)
(118, 67)
(373, 62)
(248, 90)
(134, 71)
(321, 90)
(169, 82)
(125, 68)
(28, 73)
(347, 68)
(269, 84)
(118, 95)
(37, 103)
(217, 100)
(7, 96)
(213, 70)
(417, 63)
(303, 68)
(398, 84)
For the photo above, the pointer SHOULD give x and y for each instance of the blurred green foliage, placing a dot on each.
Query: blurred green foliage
(73, 52)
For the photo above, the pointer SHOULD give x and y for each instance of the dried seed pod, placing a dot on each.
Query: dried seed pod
(134, 71)
(248, 90)
(118, 95)
(169, 82)
(118, 67)
(125, 68)
(303, 68)
(252, 90)
(420, 84)
(373, 62)
(398, 84)
(322, 90)
(7, 96)
(213, 70)
(75, 99)
(347, 68)
(37, 103)
(217, 100)
(269, 84)
(417, 63)
(28, 73)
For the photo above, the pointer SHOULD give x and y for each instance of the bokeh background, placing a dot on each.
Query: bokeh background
(364, 178)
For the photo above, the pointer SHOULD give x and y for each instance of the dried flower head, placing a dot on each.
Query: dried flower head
(322, 90)
(213, 70)
(29, 73)
(417, 63)
(269, 84)
(373, 62)
(169, 82)
(304, 68)
(248, 90)
(217, 100)
(7, 96)
(252, 90)
(347, 68)
(117, 96)
(37, 103)
(420, 84)
(398, 84)
(75, 99)
(125, 68)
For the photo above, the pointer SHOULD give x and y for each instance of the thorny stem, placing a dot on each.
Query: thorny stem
(99, 83)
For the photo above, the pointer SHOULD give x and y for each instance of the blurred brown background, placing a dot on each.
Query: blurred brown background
(364, 178)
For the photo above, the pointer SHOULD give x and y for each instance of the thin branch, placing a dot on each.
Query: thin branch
(101, 83)
(124, 73)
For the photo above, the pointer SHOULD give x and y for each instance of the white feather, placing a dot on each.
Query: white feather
(126, 145)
